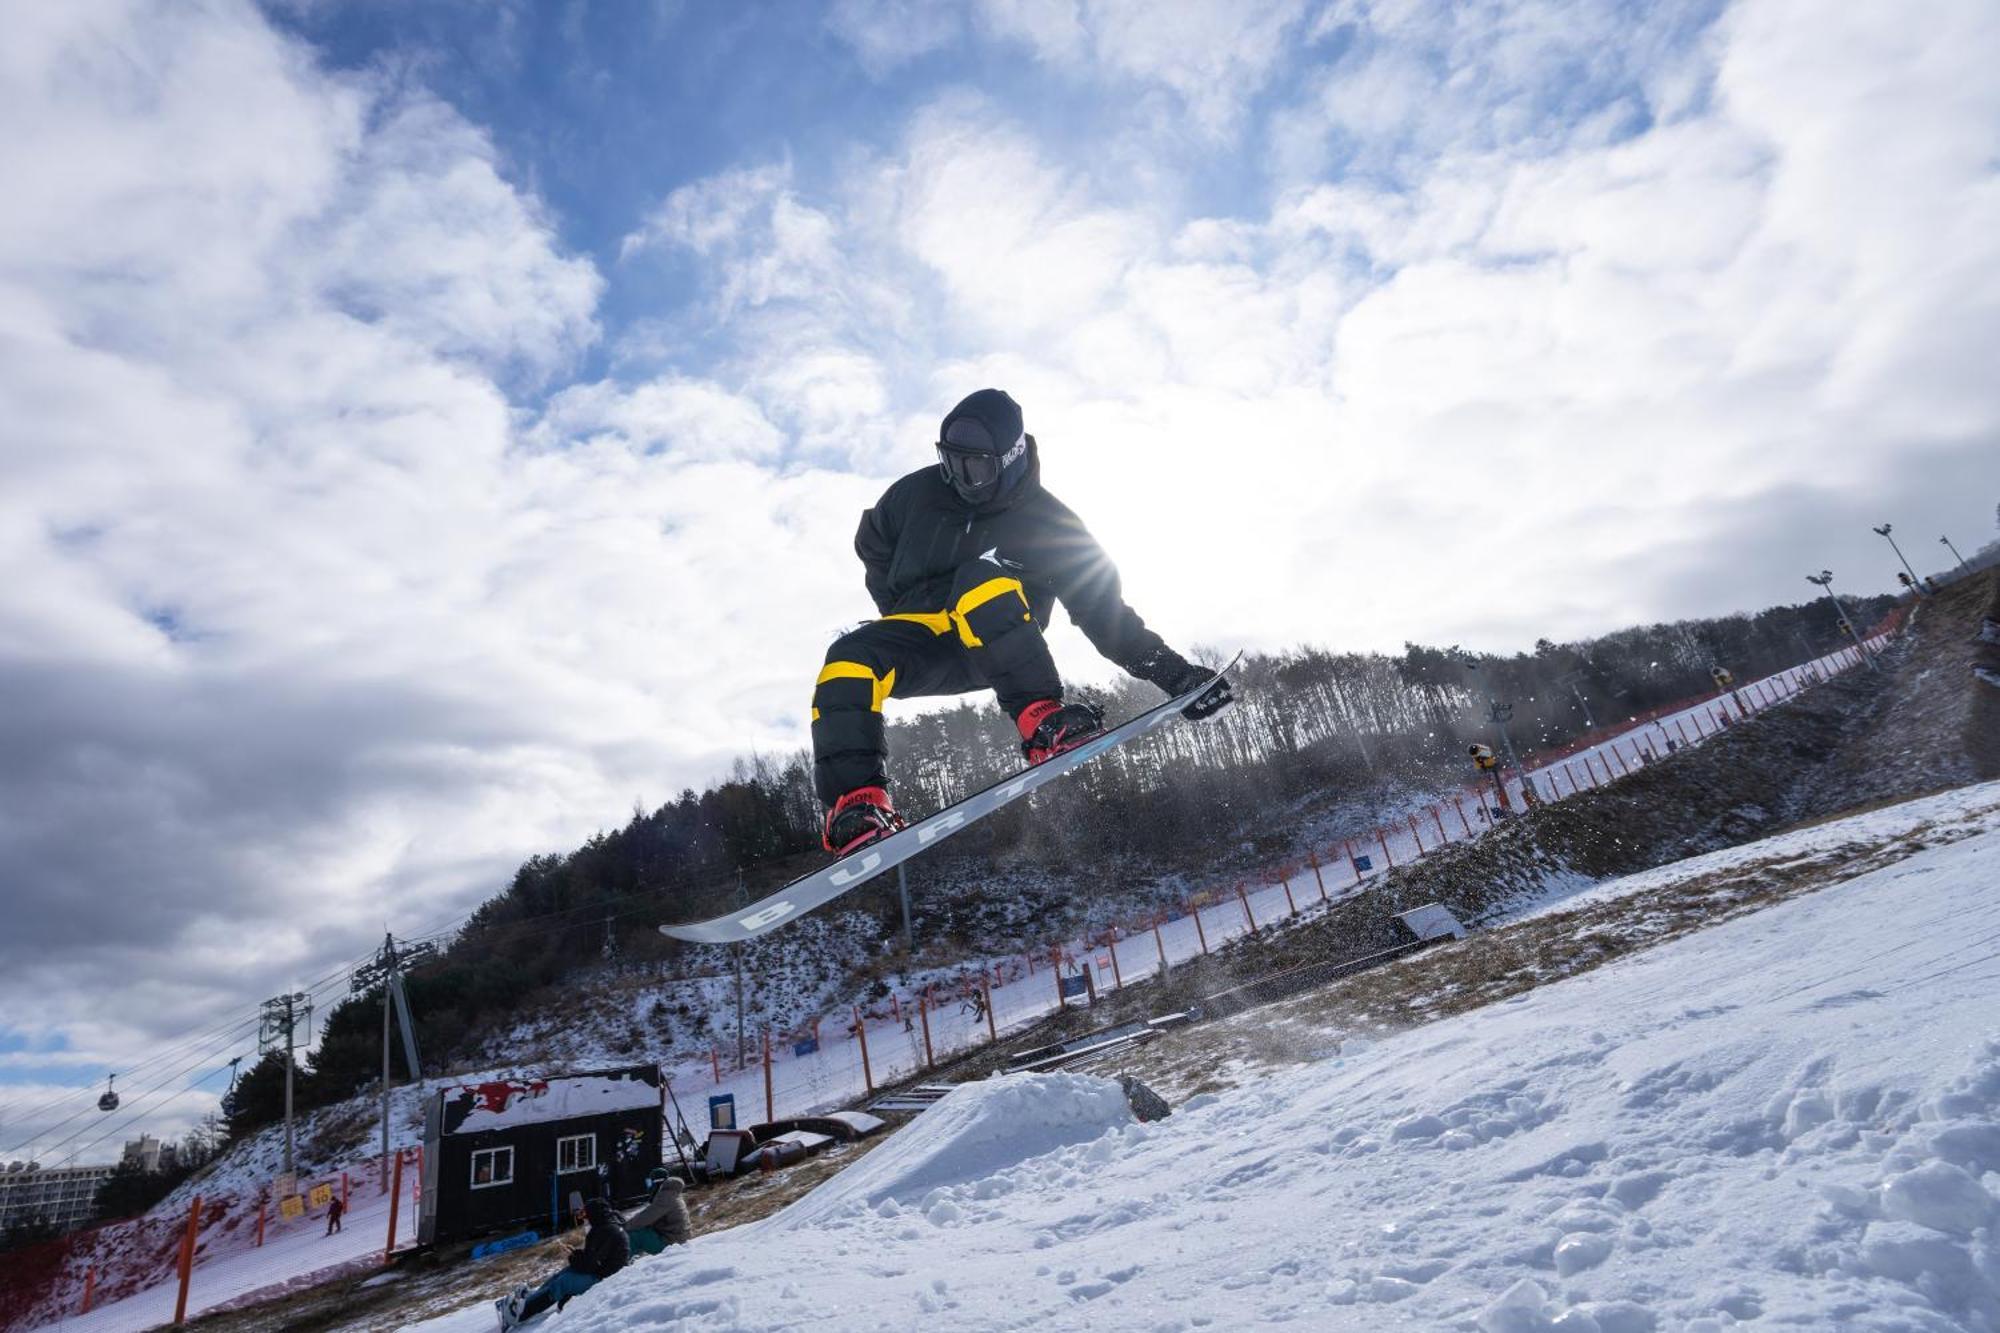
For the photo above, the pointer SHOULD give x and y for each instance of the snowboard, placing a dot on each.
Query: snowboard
(830, 881)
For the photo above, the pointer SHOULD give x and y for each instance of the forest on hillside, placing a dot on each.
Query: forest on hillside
(1308, 721)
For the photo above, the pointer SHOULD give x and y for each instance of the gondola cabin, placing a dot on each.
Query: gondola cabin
(508, 1155)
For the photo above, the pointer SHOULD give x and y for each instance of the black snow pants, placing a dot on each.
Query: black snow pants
(986, 638)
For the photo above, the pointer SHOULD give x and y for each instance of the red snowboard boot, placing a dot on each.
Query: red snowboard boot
(859, 818)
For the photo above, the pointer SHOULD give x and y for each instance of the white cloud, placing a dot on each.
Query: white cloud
(887, 34)
(1213, 55)
(1595, 322)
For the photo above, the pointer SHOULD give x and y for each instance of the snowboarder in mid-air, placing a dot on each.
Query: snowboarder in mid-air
(965, 561)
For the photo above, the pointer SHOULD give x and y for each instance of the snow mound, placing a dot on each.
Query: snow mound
(978, 1139)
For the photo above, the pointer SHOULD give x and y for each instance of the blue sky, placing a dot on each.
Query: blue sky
(435, 427)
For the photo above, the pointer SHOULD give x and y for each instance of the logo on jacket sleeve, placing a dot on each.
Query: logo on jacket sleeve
(993, 554)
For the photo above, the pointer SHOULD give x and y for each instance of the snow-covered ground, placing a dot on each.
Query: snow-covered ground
(231, 1265)
(835, 1073)
(1792, 1118)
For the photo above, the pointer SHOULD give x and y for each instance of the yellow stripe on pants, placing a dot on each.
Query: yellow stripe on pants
(979, 597)
(880, 687)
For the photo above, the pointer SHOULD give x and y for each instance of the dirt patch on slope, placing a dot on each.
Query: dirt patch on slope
(1496, 965)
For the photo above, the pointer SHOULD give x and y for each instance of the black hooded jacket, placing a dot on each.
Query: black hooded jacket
(606, 1247)
(918, 534)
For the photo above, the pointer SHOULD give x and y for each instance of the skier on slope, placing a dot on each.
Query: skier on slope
(965, 562)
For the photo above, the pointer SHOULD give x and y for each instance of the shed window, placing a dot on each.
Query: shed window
(492, 1166)
(576, 1154)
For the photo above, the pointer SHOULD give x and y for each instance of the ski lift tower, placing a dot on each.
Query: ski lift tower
(1574, 680)
(386, 970)
(278, 1023)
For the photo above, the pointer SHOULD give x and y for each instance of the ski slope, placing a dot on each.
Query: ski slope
(1792, 1118)
(832, 1071)
(230, 1264)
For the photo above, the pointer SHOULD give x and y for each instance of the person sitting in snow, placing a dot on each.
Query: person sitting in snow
(665, 1220)
(605, 1250)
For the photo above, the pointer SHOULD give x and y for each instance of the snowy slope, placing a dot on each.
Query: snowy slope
(1792, 1118)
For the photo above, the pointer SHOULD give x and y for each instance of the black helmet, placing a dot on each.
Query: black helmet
(982, 447)
(598, 1211)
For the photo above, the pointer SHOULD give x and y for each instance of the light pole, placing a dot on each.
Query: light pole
(1883, 533)
(1955, 555)
(1825, 580)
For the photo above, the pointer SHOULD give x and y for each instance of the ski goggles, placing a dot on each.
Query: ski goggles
(968, 470)
(972, 471)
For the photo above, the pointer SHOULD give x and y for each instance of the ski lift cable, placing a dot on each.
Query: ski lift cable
(126, 1126)
(223, 1034)
(127, 1103)
(130, 1110)
(226, 1035)
(218, 1038)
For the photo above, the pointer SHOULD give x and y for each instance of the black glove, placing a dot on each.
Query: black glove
(1176, 675)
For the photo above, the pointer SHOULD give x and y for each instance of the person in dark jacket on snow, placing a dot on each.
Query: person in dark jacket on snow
(965, 562)
(605, 1250)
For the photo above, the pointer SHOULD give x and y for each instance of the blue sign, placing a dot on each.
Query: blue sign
(1076, 985)
(722, 1111)
(1362, 865)
(805, 1046)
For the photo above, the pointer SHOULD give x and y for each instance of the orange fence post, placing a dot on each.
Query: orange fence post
(1458, 804)
(861, 1035)
(343, 1190)
(986, 989)
(1199, 933)
(186, 1265)
(1159, 943)
(1246, 907)
(1415, 834)
(262, 1206)
(715, 1063)
(1443, 837)
(89, 1287)
(1286, 885)
(923, 1012)
(395, 1208)
(770, 1101)
(1111, 943)
(1388, 861)
(1318, 879)
(1622, 770)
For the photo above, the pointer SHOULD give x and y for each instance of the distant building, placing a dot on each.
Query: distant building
(58, 1196)
(509, 1154)
(150, 1155)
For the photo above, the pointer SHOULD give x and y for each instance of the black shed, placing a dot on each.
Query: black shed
(508, 1154)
